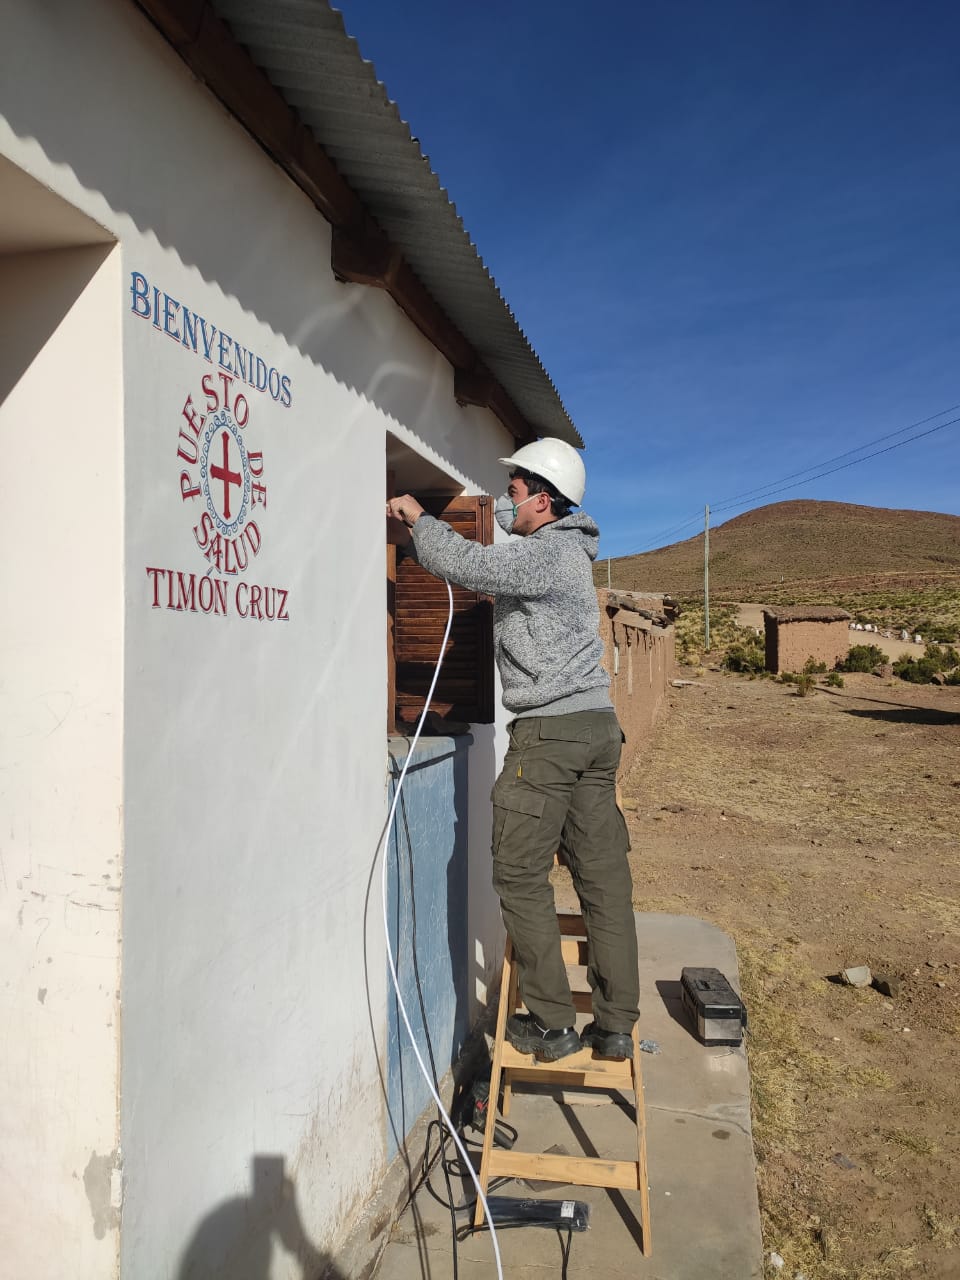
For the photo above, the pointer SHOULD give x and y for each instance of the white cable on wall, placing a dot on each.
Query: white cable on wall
(390, 960)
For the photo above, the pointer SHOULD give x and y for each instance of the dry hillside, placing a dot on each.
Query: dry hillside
(800, 541)
(892, 567)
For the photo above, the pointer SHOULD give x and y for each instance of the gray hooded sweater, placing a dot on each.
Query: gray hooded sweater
(546, 620)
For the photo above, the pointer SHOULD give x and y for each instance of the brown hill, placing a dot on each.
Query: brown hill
(802, 550)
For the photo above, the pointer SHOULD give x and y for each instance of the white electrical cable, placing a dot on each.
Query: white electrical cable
(393, 969)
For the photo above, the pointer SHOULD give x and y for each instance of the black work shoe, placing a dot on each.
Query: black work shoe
(607, 1044)
(527, 1036)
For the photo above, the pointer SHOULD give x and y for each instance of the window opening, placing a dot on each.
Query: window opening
(417, 616)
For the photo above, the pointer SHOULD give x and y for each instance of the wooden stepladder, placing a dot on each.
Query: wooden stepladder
(583, 1070)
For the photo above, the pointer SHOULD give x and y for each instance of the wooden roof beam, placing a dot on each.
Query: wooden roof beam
(360, 253)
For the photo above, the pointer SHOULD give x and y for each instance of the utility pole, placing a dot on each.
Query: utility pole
(608, 573)
(706, 578)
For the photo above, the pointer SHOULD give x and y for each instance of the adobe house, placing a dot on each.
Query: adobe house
(795, 634)
(238, 309)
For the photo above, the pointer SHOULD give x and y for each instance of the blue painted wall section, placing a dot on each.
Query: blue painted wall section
(427, 911)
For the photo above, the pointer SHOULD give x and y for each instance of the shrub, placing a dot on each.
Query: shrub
(813, 668)
(748, 658)
(915, 670)
(922, 670)
(943, 634)
(690, 630)
(834, 680)
(946, 657)
(862, 657)
(804, 682)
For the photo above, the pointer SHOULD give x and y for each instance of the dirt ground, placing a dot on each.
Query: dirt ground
(822, 832)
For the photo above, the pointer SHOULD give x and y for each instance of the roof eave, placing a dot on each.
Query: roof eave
(362, 252)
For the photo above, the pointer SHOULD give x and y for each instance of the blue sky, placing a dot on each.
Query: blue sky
(730, 230)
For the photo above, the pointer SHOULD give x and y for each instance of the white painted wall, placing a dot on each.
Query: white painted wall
(254, 752)
(61, 669)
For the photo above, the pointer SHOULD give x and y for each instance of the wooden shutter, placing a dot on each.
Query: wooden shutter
(419, 616)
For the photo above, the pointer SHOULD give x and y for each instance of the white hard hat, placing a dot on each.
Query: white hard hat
(556, 461)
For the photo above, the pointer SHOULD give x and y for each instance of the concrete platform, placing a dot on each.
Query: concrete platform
(703, 1193)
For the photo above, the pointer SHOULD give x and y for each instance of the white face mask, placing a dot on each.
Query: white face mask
(505, 511)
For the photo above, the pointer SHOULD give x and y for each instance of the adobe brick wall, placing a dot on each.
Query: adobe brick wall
(790, 644)
(644, 670)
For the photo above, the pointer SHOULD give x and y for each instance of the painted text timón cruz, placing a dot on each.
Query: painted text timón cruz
(192, 593)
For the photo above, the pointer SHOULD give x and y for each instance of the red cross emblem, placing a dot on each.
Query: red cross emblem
(224, 473)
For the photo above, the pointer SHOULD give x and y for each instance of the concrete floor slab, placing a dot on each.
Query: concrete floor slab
(703, 1194)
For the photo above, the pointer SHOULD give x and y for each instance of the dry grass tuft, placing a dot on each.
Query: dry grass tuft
(944, 1231)
(916, 1143)
(781, 1059)
(871, 1078)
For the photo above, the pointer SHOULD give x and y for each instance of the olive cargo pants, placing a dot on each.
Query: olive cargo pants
(557, 789)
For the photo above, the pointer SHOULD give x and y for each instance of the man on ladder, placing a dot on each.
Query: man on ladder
(557, 788)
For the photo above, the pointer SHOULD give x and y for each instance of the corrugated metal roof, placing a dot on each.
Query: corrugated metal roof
(303, 48)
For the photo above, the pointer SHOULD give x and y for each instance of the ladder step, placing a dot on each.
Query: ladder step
(578, 1069)
(548, 1074)
(571, 926)
(580, 1171)
(573, 950)
(582, 1001)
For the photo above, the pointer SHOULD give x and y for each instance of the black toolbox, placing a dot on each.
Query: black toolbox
(713, 1007)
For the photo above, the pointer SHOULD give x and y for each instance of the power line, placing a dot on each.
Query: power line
(665, 533)
(876, 454)
(750, 493)
(767, 491)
